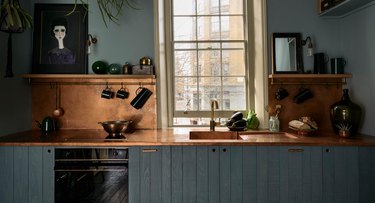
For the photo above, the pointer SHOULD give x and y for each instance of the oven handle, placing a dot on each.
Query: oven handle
(88, 170)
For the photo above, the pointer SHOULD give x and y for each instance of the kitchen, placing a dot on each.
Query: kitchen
(333, 36)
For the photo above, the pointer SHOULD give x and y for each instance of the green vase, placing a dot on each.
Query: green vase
(345, 116)
(100, 67)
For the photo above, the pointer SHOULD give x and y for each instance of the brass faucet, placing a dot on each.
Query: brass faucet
(214, 105)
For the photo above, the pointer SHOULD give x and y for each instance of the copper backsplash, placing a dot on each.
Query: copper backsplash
(84, 107)
(317, 107)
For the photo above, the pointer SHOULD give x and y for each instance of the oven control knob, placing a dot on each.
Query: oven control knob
(115, 153)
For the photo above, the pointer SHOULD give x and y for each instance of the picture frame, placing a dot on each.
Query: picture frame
(59, 40)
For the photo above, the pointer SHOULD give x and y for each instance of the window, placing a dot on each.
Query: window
(209, 60)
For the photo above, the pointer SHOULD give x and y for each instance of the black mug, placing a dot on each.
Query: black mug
(337, 65)
(281, 94)
(320, 61)
(122, 93)
(107, 93)
(303, 95)
(142, 96)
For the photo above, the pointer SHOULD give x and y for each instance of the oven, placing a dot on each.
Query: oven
(91, 174)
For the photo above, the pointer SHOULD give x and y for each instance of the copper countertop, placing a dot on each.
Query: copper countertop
(172, 136)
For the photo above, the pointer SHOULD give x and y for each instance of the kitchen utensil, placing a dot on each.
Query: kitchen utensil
(59, 111)
(47, 125)
(122, 93)
(107, 93)
(142, 96)
(281, 93)
(115, 128)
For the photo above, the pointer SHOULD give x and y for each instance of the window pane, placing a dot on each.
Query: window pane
(183, 7)
(208, 28)
(186, 97)
(185, 63)
(234, 97)
(231, 7)
(233, 62)
(207, 7)
(184, 28)
(227, 25)
(209, 63)
(209, 87)
(185, 46)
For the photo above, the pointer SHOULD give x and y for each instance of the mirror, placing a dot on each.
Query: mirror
(286, 53)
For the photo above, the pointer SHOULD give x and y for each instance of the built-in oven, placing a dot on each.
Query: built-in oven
(91, 175)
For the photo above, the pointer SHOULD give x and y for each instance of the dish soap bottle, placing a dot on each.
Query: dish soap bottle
(274, 124)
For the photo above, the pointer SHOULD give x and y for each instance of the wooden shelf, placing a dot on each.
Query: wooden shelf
(85, 76)
(345, 8)
(89, 79)
(311, 79)
(311, 76)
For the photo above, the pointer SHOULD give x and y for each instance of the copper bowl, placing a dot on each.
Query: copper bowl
(115, 128)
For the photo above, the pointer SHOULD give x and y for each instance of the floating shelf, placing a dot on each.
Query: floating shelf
(314, 79)
(345, 8)
(89, 79)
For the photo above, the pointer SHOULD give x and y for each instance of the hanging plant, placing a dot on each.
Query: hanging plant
(110, 10)
(13, 19)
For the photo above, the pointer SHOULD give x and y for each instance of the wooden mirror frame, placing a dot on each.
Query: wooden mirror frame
(299, 62)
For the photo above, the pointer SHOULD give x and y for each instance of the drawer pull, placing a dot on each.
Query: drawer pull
(149, 150)
(295, 150)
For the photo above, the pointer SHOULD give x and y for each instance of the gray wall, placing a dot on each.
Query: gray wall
(357, 45)
(350, 37)
(15, 93)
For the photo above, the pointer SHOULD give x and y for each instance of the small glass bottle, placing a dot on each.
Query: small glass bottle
(274, 124)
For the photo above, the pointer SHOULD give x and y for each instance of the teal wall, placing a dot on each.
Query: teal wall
(129, 41)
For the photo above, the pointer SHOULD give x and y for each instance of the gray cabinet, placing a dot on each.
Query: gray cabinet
(149, 174)
(27, 173)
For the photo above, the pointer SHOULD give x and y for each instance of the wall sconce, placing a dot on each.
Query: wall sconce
(310, 50)
(91, 40)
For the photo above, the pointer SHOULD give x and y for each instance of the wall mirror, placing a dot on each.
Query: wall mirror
(286, 53)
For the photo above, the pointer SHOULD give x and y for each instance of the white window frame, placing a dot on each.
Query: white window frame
(257, 46)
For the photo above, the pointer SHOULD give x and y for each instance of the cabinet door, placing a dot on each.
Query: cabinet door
(366, 174)
(340, 174)
(300, 174)
(6, 174)
(149, 176)
(206, 174)
(27, 173)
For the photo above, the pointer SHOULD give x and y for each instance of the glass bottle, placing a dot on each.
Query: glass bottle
(274, 124)
(345, 116)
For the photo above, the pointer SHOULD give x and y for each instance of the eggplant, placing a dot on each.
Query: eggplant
(236, 116)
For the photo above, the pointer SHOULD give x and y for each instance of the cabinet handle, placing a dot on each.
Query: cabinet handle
(49, 151)
(295, 150)
(224, 150)
(149, 150)
(213, 150)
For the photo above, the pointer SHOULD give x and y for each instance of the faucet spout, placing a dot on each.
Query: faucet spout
(214, 105)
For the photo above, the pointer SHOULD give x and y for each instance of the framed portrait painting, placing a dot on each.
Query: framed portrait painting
(59, 44)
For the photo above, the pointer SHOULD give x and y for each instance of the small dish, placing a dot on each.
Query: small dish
(304, 132)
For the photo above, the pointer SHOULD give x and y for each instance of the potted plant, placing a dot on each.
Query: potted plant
(110, 10)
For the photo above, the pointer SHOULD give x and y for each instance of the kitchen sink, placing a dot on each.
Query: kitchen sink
(269, 135)
(214, 135)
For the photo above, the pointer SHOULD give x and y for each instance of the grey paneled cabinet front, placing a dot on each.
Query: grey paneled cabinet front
(26, 174)
(251, 174)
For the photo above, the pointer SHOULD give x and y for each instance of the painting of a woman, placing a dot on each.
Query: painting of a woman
(60, 54)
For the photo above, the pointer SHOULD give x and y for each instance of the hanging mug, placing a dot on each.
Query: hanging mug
(142, 96)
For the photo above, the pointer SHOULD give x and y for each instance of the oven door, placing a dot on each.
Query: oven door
(91, 175)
